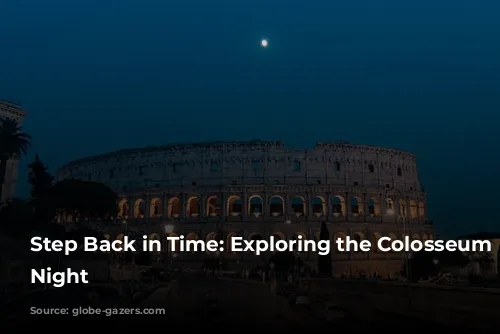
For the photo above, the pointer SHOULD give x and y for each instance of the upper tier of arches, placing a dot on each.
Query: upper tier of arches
(247, 163)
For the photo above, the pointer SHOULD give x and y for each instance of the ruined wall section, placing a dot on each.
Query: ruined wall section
(249, 163)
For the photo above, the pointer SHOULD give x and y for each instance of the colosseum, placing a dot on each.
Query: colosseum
(261, 188)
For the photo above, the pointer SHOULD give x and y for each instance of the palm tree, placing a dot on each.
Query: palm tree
(13, 143)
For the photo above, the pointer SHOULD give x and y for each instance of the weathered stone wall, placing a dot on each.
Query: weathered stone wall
(249, 163)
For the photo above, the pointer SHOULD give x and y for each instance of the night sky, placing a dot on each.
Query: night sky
(101, 75)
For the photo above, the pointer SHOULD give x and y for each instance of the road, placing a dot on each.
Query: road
(247, 304)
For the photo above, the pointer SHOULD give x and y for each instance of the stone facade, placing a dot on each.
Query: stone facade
(13, 111)
(258, 189)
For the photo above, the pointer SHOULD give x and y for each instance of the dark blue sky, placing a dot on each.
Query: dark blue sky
(100, 75)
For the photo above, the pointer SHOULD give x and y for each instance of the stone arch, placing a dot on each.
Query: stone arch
(357, 206)
(402, 207)
(373, 206)
(358, 237)
(338, 206)
(413, 209)
(229, 240)
(336, 236)
(319, 206)
(123, 209)
(213, 206)
(192, 236)
(389, 206)
(298, 205)
(211, 236)
(155, 208)
(139, 206)
(421, 210)
(255, 236)
(255, 205)
(278, 235)
(376, 238)
(193, 206)
(154, 236)
(234, 206)
(276, 206)
(174, 207)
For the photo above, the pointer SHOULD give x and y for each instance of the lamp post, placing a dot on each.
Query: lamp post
(391, 212)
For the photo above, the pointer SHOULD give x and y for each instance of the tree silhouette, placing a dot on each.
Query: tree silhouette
(41, 184)
(324, 261)
(84, 199)
(13, 143)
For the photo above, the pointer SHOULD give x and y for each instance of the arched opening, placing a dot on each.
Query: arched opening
(123, 209)
(376, 238)
(402, 207)
(421, 210)
(174, 207)
(139, 206)
(373, 207)
(255, 205)
(413, 209)
(298, 204)
(338, 206)
(356, 206)
(213, 206)
(234, 207)
(319, 206)
(389, 206)
(230, 241)
(358, 237)
(192, 236)
(211, 236)
(339, 236)
(276, 206)
(193, 206)
(155, 208)
(278, 236)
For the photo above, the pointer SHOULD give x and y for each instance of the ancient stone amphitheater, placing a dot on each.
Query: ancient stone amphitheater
(261, 188)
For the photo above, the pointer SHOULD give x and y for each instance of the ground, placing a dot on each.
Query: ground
(248, 304)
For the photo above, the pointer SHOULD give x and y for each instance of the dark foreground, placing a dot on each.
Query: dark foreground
(210, 303)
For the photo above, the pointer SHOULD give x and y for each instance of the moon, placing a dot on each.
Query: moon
(264, 43)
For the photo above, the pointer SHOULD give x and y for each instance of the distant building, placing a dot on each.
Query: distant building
(257, 189)
(12, 111)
